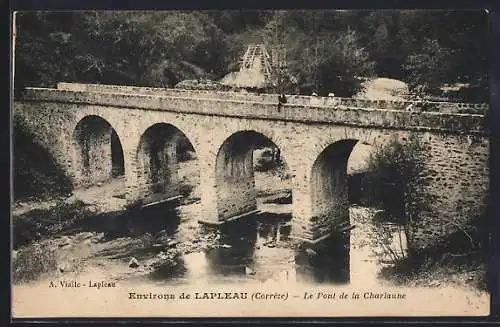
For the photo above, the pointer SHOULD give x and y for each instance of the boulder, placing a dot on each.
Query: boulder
(133, 263)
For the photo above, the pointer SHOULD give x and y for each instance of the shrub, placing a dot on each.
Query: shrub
(36, 173)
(134, 204)
(398, 180)
(185, 150)
(391, 240)
(428, 67)
(186, 189)
(36, 224)
(33, 261)
(269, 159)
(264, 164)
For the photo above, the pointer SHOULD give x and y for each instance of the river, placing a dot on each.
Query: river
(256, 248)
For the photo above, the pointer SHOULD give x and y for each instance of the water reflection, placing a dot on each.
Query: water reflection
(235, 249)
(153, 220)
(257, 248)
(131, 223)
(326, 263)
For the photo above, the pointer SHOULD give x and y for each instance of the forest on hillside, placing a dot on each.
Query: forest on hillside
(326, 51)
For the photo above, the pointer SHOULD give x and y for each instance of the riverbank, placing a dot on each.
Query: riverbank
(190, 263)
(158, 245)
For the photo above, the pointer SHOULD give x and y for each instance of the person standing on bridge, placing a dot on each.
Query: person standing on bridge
(281, 101)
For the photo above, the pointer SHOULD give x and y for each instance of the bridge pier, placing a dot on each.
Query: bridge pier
(154, 173)
(92, 152)
(321, 204)
(208, 187)
(229, 186)
(236, 194)
(301, 211)
(228, 195)
(157, 175)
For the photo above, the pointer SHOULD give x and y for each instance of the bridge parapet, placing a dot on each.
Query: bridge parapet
(467, 124)
(316, 101)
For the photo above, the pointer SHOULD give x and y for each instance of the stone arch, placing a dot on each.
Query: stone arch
(234, 172)
(274, 133)
(157, 162)
(329, 187)
(98, 152)
(362, 135)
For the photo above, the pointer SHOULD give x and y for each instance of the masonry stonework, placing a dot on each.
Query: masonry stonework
(235, 181)
(92, 155)
(156, 164)
(329, 192)
(314, 140)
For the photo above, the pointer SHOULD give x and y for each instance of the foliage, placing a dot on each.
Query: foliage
(324, 50)
(391, 240)
(150, 49)
(403, 42)
(270, 160)
(399, 177)
(185, 189)
(334, 66)
(40, 223)
(265, 161)
(428, 67)
(36, 173)
(185, 150)
(33, 261)
(134, 204)
(467, 235)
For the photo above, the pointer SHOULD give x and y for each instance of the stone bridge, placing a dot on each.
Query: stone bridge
(96, 132)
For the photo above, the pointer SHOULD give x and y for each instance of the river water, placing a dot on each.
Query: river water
(256, 248)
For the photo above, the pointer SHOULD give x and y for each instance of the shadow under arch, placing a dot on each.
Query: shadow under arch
(157, 157)
(235, 171)
(331, 193)
(329, 185)
(98, 152)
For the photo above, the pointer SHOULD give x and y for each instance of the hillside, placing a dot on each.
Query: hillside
(325, 51)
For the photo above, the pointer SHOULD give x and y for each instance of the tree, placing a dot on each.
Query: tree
(43, 47)
(428, 68)
(325, 50)
(445, 47)
(149, 49)
(380, 32)
(332, 63)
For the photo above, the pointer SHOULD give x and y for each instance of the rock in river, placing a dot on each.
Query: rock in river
(133, 263)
